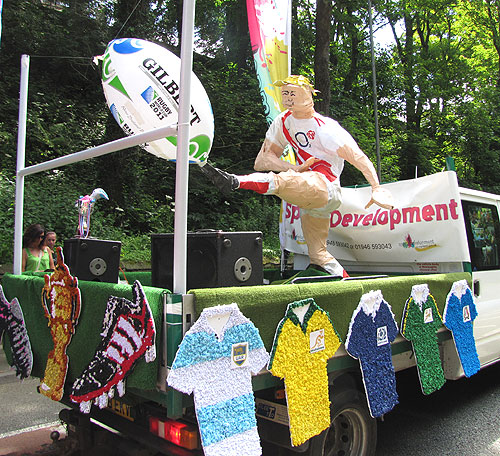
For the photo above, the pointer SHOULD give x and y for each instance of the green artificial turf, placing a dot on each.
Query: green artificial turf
(265, 306)
(94, 296)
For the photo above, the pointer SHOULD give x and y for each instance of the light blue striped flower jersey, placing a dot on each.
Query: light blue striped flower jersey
(217, 367)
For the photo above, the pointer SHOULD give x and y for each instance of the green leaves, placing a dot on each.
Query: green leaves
(437, 96)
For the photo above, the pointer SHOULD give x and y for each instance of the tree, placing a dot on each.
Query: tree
(322, 54)
(438, 92)
(480, 25)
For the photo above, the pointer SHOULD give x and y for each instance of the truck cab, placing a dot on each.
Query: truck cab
(482, 226)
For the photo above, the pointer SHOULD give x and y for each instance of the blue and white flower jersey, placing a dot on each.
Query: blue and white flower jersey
(459, 315)
(217, 367)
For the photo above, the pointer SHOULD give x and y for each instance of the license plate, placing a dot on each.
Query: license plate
(272, 411)
(266, 411)
(122, 409)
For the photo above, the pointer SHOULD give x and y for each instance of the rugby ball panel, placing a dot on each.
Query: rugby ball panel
(141, 83)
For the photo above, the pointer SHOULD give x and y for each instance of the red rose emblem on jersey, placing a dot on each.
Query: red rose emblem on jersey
(311, 134)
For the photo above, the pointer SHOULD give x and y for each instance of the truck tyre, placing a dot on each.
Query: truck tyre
(352, 432)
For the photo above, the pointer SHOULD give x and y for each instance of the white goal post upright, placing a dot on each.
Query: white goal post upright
(21, 155)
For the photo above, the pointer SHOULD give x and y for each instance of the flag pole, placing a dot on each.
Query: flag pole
(374, 80)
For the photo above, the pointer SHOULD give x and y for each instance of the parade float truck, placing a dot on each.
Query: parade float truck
(439, 235)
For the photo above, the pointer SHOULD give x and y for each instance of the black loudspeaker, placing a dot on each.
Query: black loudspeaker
(214, 259)
(93, 259)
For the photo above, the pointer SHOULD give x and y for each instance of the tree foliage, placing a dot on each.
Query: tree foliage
(438, 87)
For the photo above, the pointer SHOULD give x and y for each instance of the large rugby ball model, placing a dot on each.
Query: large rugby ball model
(141, 83)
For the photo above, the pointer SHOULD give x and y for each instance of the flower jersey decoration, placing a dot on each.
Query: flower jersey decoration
(421, 320)
(305, 339)
(12, 321)
(215, 361)
(371, 331)
(61, 305)
(458, 316)
(128, 333)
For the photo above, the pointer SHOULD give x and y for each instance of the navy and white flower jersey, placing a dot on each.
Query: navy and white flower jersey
(371, 331)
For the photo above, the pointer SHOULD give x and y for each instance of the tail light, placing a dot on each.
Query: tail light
(280, 394)
(182, 434)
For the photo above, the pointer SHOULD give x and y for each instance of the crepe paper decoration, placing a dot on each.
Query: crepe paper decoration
(215, 361)
(305, 339)
(61, 305)
(421, 320)
(458, 316)
(85, 206)
(371, 331)
(12, 322)
(128, 333)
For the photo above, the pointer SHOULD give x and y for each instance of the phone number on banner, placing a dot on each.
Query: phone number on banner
(372, 246)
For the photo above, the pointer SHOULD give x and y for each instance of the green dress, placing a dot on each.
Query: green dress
(34, 263)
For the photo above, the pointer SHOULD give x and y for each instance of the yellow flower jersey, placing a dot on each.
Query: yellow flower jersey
(301, 349)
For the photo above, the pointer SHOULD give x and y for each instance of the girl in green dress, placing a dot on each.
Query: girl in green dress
(36, 256)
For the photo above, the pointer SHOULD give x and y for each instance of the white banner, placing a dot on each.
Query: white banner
(427, 224)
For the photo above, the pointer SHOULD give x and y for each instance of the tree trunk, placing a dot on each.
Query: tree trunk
(411, 149)
(179, 7)
(236, 35)
(354, 37)
(322, 55)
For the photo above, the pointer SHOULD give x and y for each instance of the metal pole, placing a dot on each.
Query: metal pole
(182, 163)
(103, 149)
(21, 154)
(374, 79)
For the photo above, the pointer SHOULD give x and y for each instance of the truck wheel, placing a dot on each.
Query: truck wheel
(352, 432)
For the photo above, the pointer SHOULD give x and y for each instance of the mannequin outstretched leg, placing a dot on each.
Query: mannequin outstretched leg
(307, 190)
(315, 230)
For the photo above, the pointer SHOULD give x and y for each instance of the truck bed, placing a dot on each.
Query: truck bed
(264, 305)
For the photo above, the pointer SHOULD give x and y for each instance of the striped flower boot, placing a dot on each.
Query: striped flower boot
(128, 333)
(12, 321)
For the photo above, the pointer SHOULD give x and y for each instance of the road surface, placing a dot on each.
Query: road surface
(461, 419)
(26, 417)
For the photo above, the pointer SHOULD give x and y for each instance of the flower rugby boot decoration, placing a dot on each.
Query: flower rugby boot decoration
(128, 333)
(12, 322)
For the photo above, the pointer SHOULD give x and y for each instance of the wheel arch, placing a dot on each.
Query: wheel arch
(353, 431)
